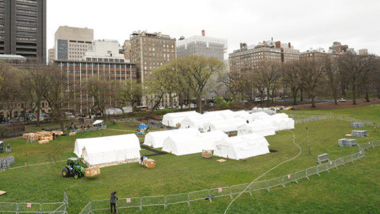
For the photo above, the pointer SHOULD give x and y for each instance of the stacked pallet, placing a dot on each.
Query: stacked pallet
(92, 171)
(347, 142)
(57, 132)
(43, 141)
(359, 133)
(207, 154)
(72, 133)
(357, 125)
(150, 163)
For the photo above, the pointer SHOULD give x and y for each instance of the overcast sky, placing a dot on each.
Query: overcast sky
(306, 24)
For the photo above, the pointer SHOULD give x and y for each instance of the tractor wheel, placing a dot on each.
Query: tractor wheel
(76, 176)
(65, 172)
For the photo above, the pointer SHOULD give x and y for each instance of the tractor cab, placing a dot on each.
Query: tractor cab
(73, 168)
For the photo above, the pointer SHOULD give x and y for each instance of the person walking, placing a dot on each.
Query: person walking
(113, 201)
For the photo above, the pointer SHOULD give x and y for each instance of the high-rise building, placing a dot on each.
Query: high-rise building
(149, 51)
(101, 59)
(338, 48)
(70, 43)
(23, 28)
(363, 52)
(202, 46)
(127, 50)
(51, 56)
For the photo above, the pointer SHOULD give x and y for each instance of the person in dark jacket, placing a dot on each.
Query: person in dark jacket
(113, 201)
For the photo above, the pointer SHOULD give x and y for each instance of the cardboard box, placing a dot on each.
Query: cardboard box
(92, 171)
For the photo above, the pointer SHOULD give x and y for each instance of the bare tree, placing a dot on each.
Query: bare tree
(292, 78)
(196, 72)
(331, 72)
(269, 74)
(311, 76)
(354, 66)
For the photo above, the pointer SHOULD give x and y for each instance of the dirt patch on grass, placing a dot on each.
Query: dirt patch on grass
(341, 105)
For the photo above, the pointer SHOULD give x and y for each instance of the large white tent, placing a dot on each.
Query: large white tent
(228, 125)
(156, 139)
(183, 145)
(103, 150)
(261, 127)
(239, 147)
(199, 121)
(282, 123)
(172, 119)
(226, 114)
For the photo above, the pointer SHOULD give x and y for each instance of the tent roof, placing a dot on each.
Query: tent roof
(108, 143)
(97, 122)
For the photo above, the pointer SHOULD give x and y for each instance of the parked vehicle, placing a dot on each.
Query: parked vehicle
(69, 115)
(342, 100)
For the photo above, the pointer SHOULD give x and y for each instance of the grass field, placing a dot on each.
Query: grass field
(351, 189)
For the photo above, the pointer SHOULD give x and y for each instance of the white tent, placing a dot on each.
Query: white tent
(280, 115)
(156, 139)
(229, 125)
(240, 147)
(242, 114)
(199, 121)
(183, 145)
(259, 116)
(226, 114)
(108, 149)
(97, 122)
(171, 119)
(261, 127)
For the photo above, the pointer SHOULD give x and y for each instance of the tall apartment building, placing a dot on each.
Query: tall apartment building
(127, 48)
(151, 50)
(363, 52)
(318, 54)
(102, 58)
(71, 43)
(23, 28)
(338, 48)
(202, 46)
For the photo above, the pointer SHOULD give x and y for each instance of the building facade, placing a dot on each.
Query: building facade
(71, 43)
(151, 50)
(338, 48)
(102, 59)
(23, 28)
(202, 46)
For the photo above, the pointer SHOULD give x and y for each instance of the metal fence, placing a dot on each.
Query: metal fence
(89, 129)
(229, 191)
(37, 208)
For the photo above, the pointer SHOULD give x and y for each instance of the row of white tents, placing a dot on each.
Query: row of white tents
(227, 120)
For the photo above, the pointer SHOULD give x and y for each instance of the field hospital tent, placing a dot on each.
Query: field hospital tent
(239, 147)
(199, 121)
(280, 115)
(226, 114)
(171, 119)
(183, 145)
(259, 116)
(156, 139)
(228, 125)
(102, 150)
(261, 127)
(281, 123)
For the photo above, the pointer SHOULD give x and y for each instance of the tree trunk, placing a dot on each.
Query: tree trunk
(335, 97)
(354, 94)
(199, 104)
(38, 115)
(267, 97)
(366, 95)
(301, 90)
(294, 93)
(312, 101)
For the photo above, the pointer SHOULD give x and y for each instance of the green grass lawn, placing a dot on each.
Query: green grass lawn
(351, 189)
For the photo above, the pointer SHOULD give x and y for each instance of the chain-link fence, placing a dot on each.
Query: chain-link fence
(229, 191)
(37, 208)
(6, 162)
(87, 129)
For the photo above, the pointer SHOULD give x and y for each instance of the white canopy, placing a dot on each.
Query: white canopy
(229, 125)
(171, 119)
(97, 122)
(239, 147)
(280, 115)
(281, 123)
(156, 139)
(226, 114)
(261, 127)
(183, 145)
(108, 149)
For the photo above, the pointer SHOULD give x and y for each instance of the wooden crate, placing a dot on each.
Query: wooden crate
(72, 133)
(150, 163)
(43, 141)
(207, 154)
(92, 171)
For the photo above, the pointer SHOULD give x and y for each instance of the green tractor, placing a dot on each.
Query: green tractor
(73, 168)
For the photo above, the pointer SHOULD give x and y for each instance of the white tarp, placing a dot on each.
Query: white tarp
(228, 125)
(171, 119)
(108, 149)
(261, 127)
(226, 114)
(183, 145)
(113, 111)
(156, 139)
(239, 147)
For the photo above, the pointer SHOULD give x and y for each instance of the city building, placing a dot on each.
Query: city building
(71, 43)
(23, 28)
(127, 50)
(202, 46)
(314, 54)
(248, 58)
(363, 52)
(51, 56)
(102, 58)
(151, 50)
(338, 48)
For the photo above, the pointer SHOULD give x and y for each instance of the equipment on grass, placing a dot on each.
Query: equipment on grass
(150, 163)
(2, 192)
(1, 147)
(92, 171)
(73, 168)
(207, 154)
